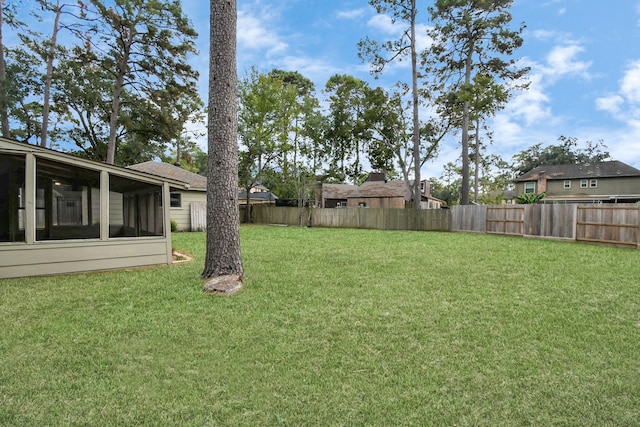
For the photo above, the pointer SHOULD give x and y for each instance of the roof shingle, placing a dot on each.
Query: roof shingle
(581, 170)
(166, 170)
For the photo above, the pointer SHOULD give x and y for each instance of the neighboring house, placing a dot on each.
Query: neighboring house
(63, 214)
(604, 182)
(375, 192)
(194, 193)
(258, 195)
(188, 205)
(336, 195)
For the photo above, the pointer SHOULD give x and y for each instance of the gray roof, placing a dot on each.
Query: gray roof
(167, 170)
(258, 195)
(375, 189)
(581, 170)
(337, 191)
(382, 189)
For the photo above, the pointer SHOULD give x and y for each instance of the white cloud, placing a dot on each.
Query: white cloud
(351, 14)
(528, 117)
(610, 103)
(254, 34)
(561, 61)
(385, 25)
(630, 84)
(625, 104)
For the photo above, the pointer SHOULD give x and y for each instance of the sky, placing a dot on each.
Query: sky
(584, 57)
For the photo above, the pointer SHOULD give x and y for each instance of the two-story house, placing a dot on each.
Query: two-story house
(604, 182)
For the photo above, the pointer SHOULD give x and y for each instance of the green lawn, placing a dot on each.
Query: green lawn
(334, 327)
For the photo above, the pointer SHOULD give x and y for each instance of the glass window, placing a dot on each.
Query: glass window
(67, 201)
(567, 184)
(593, 183)
(12, 176)
(529, 187)
(135, 208)
(583, 183)
(176, 200)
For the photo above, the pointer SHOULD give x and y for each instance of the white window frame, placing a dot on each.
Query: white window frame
(529, 187)
(593, 183)
(584, 183)
(567, 184)
(172, 200)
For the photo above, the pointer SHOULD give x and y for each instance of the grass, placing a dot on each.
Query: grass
(334, 327)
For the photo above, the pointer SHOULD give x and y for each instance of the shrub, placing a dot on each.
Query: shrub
(529, 198)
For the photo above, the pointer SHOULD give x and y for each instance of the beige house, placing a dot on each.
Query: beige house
(603, 182)
(375, 192)
(63, 214)
(188, 205)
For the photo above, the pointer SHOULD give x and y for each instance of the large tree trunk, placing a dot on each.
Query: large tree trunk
(4, 108)
(47, 84)
(417, 194)
(464, 191)
(115, 108)
(223, 260)
(476, 172)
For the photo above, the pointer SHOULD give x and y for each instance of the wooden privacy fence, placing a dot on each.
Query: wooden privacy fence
(381, 219)
(617, 224)
(612, 224)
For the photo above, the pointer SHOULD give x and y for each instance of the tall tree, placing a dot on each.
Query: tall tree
(297, 166)
(46, 49)
(49, 75)
(266, 110)
(485, 97)
(145, 45)
(381, 54)
(471, 37)
(23, 89)
(223, 260)
(7, 16)
(347, 128)
(4, 109)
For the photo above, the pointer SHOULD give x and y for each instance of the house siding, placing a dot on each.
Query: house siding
(610, 186)
(182, 215)
(606, 186)
(45, 258)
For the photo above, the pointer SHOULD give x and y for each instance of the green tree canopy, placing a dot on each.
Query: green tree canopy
(472, 37)
(569, 151)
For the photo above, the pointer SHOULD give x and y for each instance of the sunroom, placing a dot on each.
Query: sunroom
(63, 214)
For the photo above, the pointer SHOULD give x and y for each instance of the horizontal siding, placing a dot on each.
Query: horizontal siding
(182, 215)
(18, 260)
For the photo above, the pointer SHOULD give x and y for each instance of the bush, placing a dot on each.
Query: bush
(174, 226)
(529, 198)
